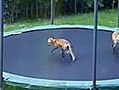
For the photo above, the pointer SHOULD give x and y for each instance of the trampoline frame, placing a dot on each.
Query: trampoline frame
(28, 82)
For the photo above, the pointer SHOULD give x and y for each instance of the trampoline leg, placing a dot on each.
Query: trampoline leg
(54, 49)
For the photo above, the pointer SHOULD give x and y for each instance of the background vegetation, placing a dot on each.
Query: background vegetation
(15, 10)
(106, 18)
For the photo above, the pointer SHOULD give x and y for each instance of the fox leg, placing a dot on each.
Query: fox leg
(116, 49)
(114, 44)
(54, 49)
(72, 56)
(62, 52)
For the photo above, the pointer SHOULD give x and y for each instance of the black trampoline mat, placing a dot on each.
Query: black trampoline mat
(27, 54)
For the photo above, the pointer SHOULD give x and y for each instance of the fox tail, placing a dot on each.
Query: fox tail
(71, 52)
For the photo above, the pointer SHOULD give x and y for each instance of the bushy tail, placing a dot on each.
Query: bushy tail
(71, 53)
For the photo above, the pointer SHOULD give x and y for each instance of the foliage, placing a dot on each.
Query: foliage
(15, 10)
(79, 19)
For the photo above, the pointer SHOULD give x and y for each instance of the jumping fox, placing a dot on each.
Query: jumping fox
(115, 38)
(63, 44)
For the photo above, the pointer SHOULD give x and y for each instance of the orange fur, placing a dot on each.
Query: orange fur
(61, 43)
(115, 38)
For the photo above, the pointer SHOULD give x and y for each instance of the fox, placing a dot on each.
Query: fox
(63, 44)
(115, 39)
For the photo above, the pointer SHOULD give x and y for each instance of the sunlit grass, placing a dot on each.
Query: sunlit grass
(108, 18)
(25, 24)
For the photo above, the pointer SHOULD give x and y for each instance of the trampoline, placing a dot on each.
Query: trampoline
(28, 60)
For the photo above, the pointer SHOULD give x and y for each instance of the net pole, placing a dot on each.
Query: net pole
(1, 43)
(95, 42)
(118, 14)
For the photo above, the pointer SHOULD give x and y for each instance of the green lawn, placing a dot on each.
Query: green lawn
(106, 18)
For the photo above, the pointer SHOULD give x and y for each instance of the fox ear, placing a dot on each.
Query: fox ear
(52, 37)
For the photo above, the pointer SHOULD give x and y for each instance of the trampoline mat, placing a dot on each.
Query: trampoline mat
(27, 54)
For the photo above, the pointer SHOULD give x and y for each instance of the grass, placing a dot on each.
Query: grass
(106, 18)
(24, 24)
